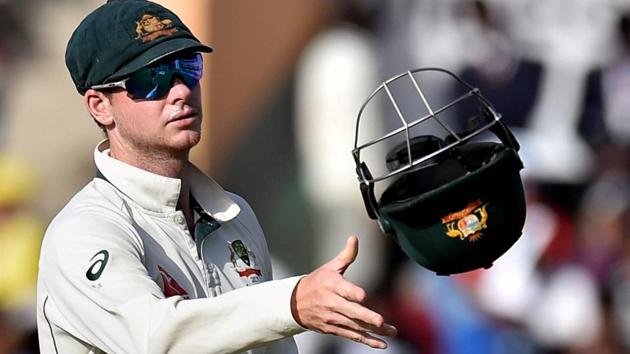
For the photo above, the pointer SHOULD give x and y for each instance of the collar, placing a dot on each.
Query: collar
(160, 194)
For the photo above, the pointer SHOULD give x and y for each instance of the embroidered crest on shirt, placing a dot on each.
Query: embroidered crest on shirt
(171, 287)
(244, 261)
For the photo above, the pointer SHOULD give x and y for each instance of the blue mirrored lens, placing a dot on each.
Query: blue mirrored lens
(155, 81)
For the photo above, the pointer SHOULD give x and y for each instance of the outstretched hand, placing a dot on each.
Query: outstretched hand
(325, 302)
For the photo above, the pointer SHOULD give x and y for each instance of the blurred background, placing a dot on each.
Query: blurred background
(281, 94)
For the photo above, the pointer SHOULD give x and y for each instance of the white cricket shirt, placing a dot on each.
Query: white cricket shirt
(119, 271)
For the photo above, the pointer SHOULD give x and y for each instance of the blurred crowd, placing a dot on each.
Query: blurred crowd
(21, 230)
(557, 70)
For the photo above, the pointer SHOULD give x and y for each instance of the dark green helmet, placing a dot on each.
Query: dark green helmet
(454, 198)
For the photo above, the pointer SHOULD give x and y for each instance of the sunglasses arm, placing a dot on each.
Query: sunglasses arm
(111, 85)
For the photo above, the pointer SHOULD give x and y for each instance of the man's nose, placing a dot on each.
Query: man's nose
(179, 87)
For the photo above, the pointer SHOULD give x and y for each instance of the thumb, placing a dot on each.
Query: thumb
(341, 262)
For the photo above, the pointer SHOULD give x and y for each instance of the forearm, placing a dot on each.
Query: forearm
(233, 322)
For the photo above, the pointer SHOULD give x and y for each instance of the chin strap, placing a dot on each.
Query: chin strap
(502, 132)
(367, 191)
(505, 135)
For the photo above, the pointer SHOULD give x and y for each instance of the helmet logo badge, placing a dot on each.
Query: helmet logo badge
(468, 222)
(151, 27)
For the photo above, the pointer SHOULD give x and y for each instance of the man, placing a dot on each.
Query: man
(152, 256)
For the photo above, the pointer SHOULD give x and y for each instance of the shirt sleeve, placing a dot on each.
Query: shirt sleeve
(98, 290)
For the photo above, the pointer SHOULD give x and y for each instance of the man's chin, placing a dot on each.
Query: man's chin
(192, 141)
(185, 141)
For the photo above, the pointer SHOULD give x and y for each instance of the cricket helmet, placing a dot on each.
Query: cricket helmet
(452, 196)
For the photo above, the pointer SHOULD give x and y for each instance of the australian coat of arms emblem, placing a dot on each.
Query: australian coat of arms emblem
(468, 222)
(151, 27)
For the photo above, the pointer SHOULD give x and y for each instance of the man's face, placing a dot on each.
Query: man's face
(170, 125)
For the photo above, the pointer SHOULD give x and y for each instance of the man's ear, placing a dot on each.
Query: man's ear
(100, 107)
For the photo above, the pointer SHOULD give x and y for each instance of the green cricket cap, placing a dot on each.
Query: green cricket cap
(123, 36)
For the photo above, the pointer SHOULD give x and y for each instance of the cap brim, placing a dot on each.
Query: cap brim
(156, 53)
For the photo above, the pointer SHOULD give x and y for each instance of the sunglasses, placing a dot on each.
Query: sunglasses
(153, 82)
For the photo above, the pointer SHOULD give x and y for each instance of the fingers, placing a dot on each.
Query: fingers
(384, 329)
(349, 291)
(357, 311)
(360, 337)
(360, 331)
(341, 262)
(358, 319)
(364, 319)
(325, 302)
(342, 326)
